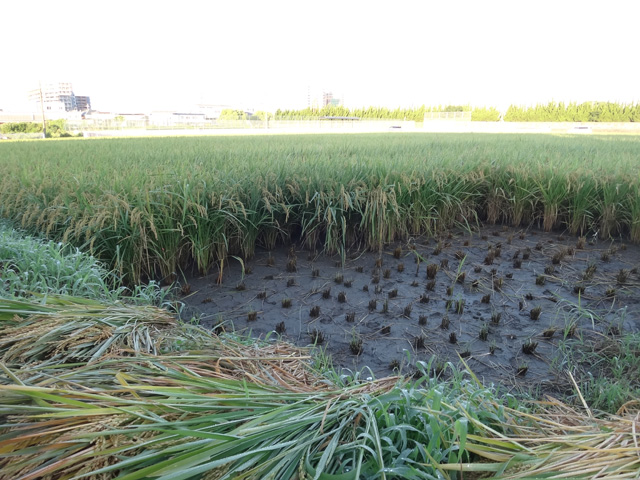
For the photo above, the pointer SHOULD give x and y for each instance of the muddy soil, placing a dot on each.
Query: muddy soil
(388, 310)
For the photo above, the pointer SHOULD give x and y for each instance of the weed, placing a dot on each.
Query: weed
(355, 345)
(529, 347)
(484, 333)
(432, 270)
(535, 313)
(589, 271)
(558, 257)
(292, 265)
(317, 337)
(622, 276)
(488, 260)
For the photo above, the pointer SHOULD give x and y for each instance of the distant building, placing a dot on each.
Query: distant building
(58, 97)
(322, 98)
(83, 103)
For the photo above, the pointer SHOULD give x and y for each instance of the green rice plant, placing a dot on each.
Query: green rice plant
(221, 196)
(553, 187)
(612, 212)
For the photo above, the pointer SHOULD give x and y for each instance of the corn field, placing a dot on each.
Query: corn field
(150, 207)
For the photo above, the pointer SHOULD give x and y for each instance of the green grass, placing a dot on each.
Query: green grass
(149, 207)
(31, 266)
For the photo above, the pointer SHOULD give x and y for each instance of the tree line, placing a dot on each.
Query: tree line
(550, 112)
(55, 128)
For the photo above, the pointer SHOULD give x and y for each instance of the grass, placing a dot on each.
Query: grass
(34, 266)
(196, 201)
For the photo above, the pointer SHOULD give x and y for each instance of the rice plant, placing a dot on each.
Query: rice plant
(222, 196)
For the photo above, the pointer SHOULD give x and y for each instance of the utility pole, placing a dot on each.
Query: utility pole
(44, 123)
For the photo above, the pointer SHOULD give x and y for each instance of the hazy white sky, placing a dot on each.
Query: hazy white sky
(138, 55)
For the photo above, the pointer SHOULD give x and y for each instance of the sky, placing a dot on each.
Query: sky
(139, 55)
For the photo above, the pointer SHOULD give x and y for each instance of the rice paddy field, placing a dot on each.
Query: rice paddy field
(435, 255)
(150, 207)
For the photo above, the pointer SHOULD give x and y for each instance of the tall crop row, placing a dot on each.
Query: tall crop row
(152, 206)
